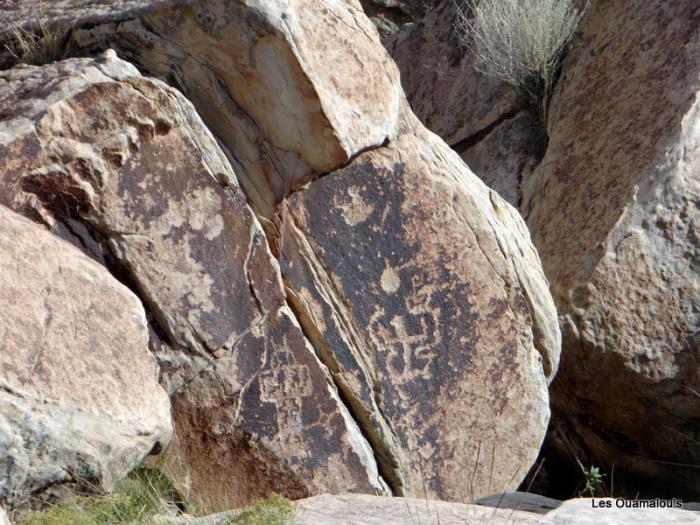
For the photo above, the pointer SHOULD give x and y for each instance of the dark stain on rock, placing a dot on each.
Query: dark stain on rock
(430, 353)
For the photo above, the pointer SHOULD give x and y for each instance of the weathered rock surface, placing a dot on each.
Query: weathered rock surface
(79, 395)
(451, 98)
(615, 213)
(123, 167)
(389, 15)
(373, 510)
(613, 210)
(417, 286)
(258, 74)
(477, 115)
(420, 288)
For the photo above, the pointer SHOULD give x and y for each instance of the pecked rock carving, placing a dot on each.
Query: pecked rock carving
(389, 331)
(122, 166)
(421, 330)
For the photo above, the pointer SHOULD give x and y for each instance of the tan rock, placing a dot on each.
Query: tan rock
(445, 92)
(122, 165)
(478, 116)
(421, 291)
(615, 216)
(79, 396)
(456, 298)
(258, 73)
(373, 510)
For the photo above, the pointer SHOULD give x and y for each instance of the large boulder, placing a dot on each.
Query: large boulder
(613, 210)
(418, 288)
(80, 402)
(122, 166)
(258, 73)
(615, 213)
(421, 289)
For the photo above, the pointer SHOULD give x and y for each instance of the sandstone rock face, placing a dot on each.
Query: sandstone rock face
(429, 333)
(402, 268)
(615, 214)
(79, 395)
(478, 116)
(258, 74)
(123, 167)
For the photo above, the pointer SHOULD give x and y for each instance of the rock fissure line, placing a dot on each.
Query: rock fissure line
(478, 136)
(387, 462)
(345, 164)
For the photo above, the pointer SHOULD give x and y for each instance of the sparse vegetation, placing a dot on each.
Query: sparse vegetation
(521, 42)
(593, 479)
(145, 493)
(41, 44)
(275, 510)
(141, 497)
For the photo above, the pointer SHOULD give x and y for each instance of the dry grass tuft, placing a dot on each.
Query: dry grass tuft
(521, 42)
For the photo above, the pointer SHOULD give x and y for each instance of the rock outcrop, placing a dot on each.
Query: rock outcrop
(615, 213)
(80, 402)
(478, 116)
(122, 165)
(389, 331)
(420, 328)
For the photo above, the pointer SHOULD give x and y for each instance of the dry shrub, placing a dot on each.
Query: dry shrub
(521, 42)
